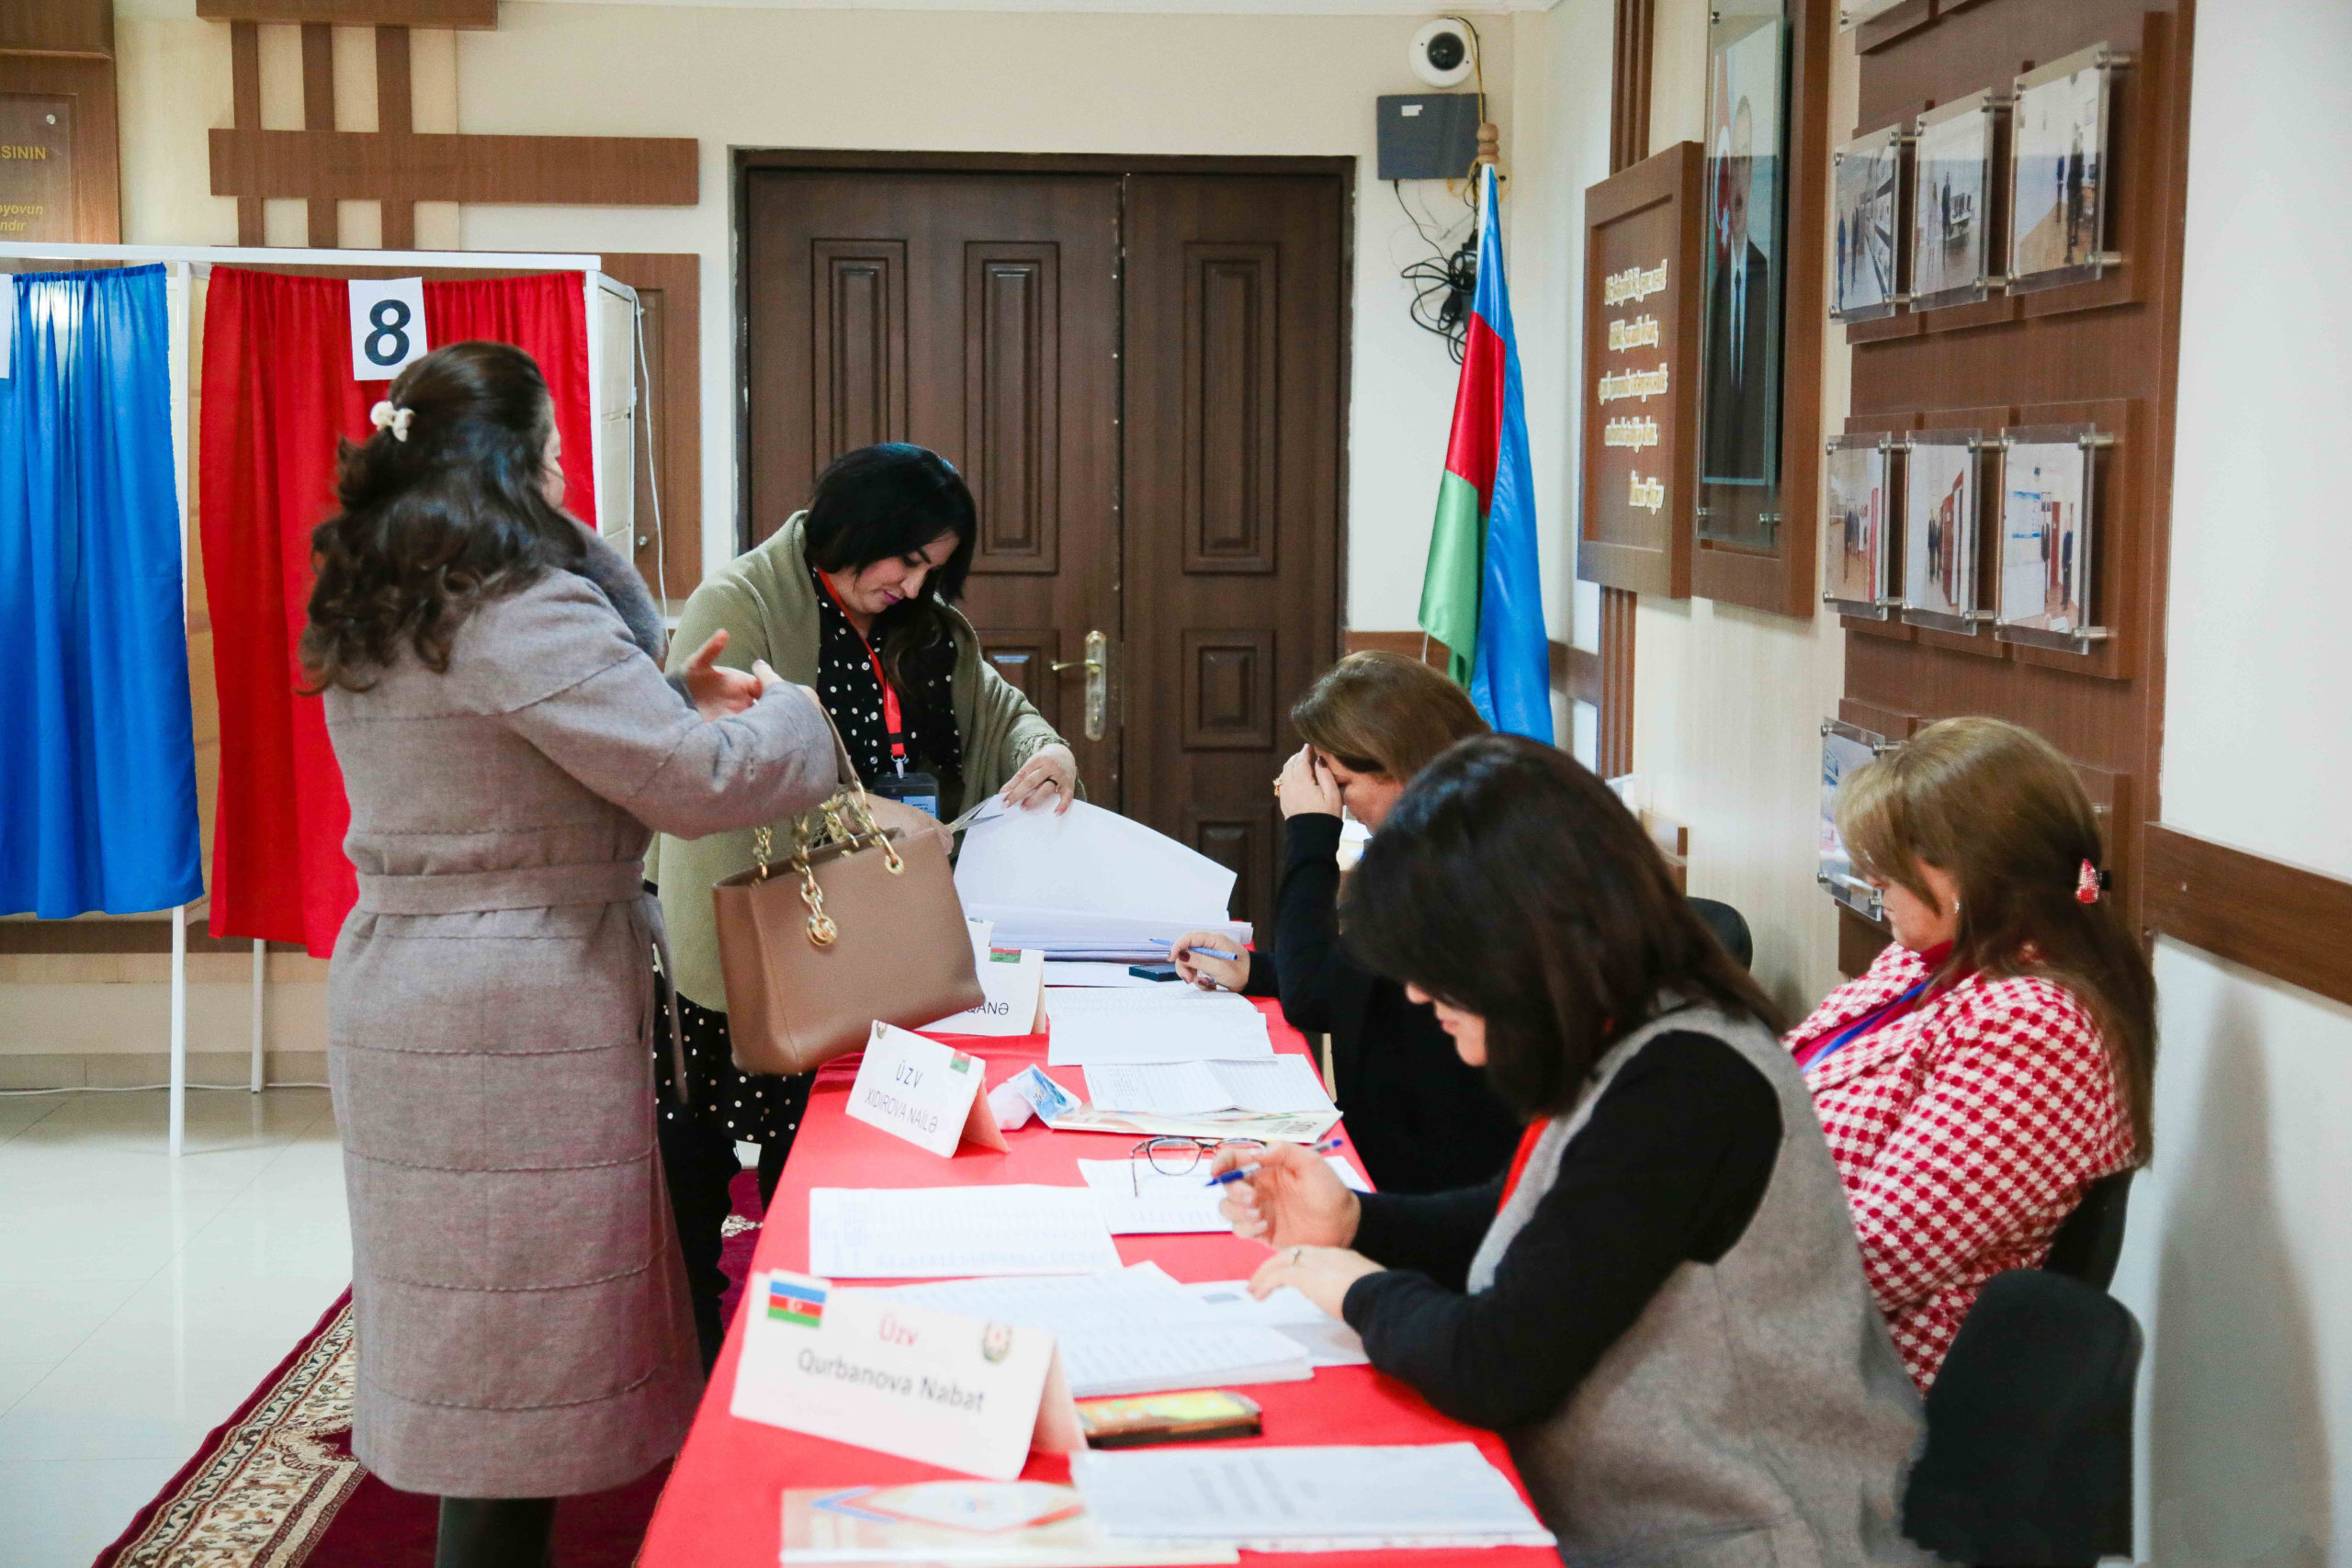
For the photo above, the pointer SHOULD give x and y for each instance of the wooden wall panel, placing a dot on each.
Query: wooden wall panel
(354, 13)
(2281, 919)
(88, 82)
(366, 165)
(1013, 406)
(58, 26)
(2104, 353)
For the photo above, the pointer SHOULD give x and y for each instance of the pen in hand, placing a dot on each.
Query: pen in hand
(1240, 1172)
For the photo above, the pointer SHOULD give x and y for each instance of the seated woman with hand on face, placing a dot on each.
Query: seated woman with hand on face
(1421, 1119)
(1997, 1058)
(1661, 1304)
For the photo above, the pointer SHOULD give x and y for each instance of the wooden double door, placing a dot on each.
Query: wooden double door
(1140, 375)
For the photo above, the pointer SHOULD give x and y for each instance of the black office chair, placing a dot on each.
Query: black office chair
(2028, 1456)
(2087, 1245)
(1730, 929)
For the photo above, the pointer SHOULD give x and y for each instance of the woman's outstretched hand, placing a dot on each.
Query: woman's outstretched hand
(1050, 774)
(718, 692)
(1292, 1200)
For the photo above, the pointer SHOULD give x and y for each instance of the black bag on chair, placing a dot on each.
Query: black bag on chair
(2029, 1455)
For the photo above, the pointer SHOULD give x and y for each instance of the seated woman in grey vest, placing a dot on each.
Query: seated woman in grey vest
(1661, 1304)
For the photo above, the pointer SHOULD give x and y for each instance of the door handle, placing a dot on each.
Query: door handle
(1098, 684)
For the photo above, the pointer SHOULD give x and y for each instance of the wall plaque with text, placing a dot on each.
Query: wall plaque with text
(36, 166)
(1642, 232)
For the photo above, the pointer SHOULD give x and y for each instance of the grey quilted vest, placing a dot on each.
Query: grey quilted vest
(1756, 1413)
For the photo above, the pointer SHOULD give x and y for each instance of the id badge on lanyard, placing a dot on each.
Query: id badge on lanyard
(919, 790)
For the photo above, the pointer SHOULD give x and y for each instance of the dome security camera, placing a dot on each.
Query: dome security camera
(1446, 52)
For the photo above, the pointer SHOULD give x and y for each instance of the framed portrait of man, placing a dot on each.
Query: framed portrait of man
(1746, 261)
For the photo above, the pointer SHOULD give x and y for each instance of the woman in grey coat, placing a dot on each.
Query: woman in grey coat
(510, 744)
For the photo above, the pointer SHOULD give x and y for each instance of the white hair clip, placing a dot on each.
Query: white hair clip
(383, 416)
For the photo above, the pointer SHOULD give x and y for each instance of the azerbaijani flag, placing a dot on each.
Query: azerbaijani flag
(1480, 595)
(795, 1299)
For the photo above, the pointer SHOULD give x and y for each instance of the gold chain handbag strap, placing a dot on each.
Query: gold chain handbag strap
(822, 930)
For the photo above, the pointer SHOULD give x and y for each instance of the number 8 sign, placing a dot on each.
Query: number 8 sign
(386, 326)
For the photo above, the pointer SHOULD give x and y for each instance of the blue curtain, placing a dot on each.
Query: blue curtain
(97, 765)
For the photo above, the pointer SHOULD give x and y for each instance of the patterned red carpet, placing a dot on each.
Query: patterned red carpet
(275, 1485)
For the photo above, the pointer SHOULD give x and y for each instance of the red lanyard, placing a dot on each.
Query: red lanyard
(890, 692)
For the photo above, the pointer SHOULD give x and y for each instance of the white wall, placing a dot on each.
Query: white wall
(2239, 1256)
(1728, 702)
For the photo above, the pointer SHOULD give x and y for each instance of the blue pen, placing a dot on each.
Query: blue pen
(1239, 1171)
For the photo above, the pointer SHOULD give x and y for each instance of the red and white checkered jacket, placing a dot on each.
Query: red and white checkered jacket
(1965, 1132)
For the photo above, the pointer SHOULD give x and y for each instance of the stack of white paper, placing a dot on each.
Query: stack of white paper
(1134, 1331)
(915, 1233)
(1275, 1086)
(1139, 1200)
(1169, 1024)
(1338, 1498)
(1328, 1342)
(1089, 885)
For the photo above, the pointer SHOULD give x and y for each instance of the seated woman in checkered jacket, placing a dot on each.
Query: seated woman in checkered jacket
(1997, 1058)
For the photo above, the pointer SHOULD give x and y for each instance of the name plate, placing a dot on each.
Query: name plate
(1012, 982)
(860, 1367)
(919, 1090)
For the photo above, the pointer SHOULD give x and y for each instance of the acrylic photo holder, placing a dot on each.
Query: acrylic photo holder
(1854, 13)
(2043, 597)
(1867, 249)
(2058, 171)
(1844, 748)
(1953, 191)
(1942, 490)
(1856, 553)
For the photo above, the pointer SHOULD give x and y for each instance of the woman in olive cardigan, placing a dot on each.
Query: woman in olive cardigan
(855, 591)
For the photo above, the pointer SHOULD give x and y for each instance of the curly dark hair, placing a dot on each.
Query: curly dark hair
(887, 500)
(434, 524)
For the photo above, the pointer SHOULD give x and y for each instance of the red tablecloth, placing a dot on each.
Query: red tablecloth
(721, 1506)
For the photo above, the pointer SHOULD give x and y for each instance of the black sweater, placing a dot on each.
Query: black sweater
(1421, 1119)
(1669, 1169)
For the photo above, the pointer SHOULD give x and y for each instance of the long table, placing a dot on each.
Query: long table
(721, 1507)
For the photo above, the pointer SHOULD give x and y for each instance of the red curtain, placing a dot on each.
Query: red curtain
(277, 394)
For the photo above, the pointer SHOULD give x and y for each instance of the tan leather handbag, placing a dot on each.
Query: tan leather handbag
(859, 922)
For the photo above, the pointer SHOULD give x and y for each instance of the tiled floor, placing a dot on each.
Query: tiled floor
(142, 1298)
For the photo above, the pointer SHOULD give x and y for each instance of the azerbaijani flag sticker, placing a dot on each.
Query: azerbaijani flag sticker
(796, 1299)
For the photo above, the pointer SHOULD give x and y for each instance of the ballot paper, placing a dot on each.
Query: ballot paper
(1275, 1086)
(1328, 1342)
(1089, 885)
(1132, 1331)
(1172, 1024)
(972, 1524)
(913, 1232)
(1137, 1199)
(1335, 1498)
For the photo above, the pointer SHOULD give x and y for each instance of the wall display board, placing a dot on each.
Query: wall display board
(1641, 349)
(1844, 748)
(2058, 171)
(1855, 554)
(2045, 587)
(1746, 274)
(1952, 197)
(1867, 249)
(2052, 615)
(36, 166)
(1940, 533)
